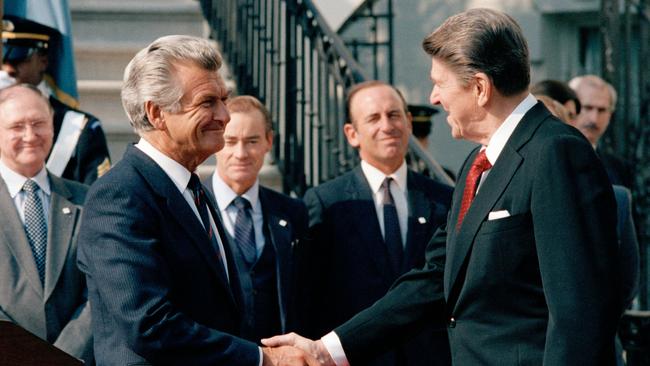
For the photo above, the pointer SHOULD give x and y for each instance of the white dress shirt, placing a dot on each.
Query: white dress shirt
(498, 140)
(180, 176)
(224, 196)
(503, 133)
(398, 190)
(15, 183)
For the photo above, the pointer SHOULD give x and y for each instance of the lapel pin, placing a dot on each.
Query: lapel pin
(282, 223)
(422, 220)
(66, 211)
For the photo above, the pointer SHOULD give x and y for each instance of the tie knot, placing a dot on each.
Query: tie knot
(30, 186)
(241, 203)
(194, 184)
(481, 163)
(385, 186)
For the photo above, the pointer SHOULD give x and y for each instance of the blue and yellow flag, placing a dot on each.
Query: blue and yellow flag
(60, 74)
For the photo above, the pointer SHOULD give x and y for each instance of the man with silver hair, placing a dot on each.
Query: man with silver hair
(598, 99)
(163, 286)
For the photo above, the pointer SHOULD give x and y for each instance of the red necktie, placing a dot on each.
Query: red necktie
(479, 165)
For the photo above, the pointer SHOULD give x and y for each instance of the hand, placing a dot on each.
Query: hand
(287, 356)
(314, 348)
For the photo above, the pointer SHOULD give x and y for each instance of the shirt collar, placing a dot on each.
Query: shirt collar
(503, 133)
(376, 177)
(16, 181)
(179, 175)
(225, 195)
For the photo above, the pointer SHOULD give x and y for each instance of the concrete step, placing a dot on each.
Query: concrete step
(106, 35)
(138, 22)
(102, 99)
(103, 61)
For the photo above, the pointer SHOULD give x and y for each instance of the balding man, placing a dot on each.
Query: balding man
(41, 288)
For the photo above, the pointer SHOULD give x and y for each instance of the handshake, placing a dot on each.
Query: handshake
(294, 350)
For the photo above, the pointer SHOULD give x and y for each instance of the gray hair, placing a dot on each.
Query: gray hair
(150, 76)
(595, 82)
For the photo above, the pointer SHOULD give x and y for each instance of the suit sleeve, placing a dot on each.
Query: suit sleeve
(311, 258)
(415, 300)
(574, 220)
(120, 252)
(76, 337)
(629, 247)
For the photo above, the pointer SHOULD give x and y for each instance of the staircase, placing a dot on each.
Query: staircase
(107, 34)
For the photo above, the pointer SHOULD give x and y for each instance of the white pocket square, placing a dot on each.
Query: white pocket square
(495, 215)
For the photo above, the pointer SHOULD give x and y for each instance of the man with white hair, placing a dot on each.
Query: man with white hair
(598, 100)
(162, 282)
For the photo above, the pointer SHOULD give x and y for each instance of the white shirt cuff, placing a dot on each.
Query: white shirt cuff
(333, 345)
(261, 356)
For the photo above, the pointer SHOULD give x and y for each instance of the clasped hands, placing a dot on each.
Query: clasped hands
(294, 350)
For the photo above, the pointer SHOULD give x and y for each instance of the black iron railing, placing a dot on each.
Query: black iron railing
(626, 49)
(284, 53)
(368, 33)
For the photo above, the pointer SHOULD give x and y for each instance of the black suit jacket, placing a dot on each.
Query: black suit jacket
(539, 287)
(345, 264)
(285, 221)
(157, 288)
(620, 172)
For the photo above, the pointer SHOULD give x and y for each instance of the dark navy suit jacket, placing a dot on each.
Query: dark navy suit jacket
(285, 221)
(345, 268)
(157, 288)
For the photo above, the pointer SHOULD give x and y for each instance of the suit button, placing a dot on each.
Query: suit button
(452, 322)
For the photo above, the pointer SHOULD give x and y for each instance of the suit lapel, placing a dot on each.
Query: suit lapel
(13, 234)
(420, 207)
(367, 223)
(62, 219)
(280, 238)
(178, 209)
(492, 188)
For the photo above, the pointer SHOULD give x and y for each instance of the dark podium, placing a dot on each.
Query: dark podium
(20, 347)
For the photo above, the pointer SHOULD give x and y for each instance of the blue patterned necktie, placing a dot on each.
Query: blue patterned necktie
(392, 234)
(35, 225)
(244, 230)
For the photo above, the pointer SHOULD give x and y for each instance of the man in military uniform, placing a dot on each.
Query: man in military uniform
(80, 151)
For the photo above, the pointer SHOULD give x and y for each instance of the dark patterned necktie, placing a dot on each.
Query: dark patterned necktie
(392, 234)
(480, 165)
(35, 226)
(200, 200)
(244, 230)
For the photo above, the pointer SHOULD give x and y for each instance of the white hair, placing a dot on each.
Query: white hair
(150, 76)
